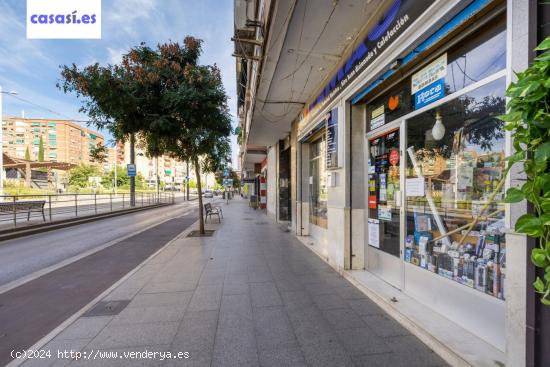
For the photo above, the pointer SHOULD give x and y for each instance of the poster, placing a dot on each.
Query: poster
(382, 194)
(414, 186)
(435, 70)
(377, 118)
(332, 139)
(374, 233)
(384, 213)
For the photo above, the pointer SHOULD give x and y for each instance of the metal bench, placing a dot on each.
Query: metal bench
(209, 211)
(14, 207)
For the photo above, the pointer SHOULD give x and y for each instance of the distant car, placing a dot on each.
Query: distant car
(208, 194)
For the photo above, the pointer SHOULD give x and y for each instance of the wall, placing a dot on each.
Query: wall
(272, 175)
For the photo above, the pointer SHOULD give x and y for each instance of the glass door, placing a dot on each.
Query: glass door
(385, 206)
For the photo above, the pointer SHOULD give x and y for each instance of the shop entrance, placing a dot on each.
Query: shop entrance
(385, 206)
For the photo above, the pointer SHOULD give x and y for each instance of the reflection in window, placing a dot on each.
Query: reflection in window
(318, 183)
(460, 163)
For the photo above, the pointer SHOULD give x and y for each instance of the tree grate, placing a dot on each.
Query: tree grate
(107, 308)
(207, 233)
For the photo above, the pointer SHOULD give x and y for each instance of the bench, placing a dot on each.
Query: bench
(24, 206)
(209, 211)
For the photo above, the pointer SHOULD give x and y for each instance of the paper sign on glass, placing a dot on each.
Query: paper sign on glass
(414, 186)
(374, 233)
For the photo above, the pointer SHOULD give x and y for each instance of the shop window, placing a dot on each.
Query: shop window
(455, 160)
(318, 183)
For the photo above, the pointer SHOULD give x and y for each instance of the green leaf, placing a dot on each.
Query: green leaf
(545, 301)
(510, 117)
(545, 205)
(516, 157)
(538, 257)
(514, 195)
(545, 219)
(539, 285)
(530, 225)
(543, 151)
(544, 45)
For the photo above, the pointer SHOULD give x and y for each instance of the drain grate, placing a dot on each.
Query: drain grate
(207, 233)
(107, 308)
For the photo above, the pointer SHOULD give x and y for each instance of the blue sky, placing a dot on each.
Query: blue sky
(31, 67)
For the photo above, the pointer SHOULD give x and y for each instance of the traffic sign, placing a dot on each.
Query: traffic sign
(131, 169)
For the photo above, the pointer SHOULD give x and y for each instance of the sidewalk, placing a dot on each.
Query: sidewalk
(251, 295)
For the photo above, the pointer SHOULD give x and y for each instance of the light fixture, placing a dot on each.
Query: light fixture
(438, 131)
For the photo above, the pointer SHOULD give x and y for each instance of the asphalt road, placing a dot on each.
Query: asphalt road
(24, 256)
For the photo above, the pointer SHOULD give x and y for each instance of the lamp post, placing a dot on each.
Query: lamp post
(2, 143)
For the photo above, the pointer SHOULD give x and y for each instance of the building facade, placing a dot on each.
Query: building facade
(373, 126)
(62, 140)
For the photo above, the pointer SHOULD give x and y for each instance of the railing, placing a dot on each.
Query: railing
(18, 210)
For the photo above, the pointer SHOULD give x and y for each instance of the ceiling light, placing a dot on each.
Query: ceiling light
(438, 130)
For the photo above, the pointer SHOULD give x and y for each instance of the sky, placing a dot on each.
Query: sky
(32, 67)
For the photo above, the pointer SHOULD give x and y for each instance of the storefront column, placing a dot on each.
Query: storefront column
(356, 177)
(519, 49)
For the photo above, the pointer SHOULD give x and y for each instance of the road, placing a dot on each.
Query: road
(24, 256)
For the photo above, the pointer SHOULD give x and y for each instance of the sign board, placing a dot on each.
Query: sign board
(435, 70)
(400, 15)
(377, 118)
(226, 172)
(429, 94)
(332, 139)
(384, 213)
(374, 233)
(131, 169)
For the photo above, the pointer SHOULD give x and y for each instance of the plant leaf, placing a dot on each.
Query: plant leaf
(539, 285)
(544, 45)
(543, 151)
(530, 225)
(514, 195)
(538, 257)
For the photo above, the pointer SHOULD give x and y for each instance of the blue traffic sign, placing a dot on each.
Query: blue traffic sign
(131, 169)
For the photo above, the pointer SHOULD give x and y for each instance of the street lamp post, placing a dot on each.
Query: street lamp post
(2, 143)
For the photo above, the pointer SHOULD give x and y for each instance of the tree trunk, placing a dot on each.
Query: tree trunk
(199, 191)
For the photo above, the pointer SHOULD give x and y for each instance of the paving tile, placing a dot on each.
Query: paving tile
(296, 299)
(410, 345)
(206, 298)
(138, 315)
(169, 286)
(328, 301)
(235, 347)
(359, 341)
(128, 356)
(343, 318)
(273, 329)
(55, 346)
(365, 307)
(196, 335)
(84, 327)
(236, 311)
(385, 326)
(282, 357)
(135, 335)
(161, 299)
(264, 294)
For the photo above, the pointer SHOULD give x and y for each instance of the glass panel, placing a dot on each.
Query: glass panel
(454, 165)
(318, 183)
(384, 191)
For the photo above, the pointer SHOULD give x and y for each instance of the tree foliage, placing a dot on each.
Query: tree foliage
(163, 95)
(99, 153)
(41, 150)
(528, 118)
(79, 176)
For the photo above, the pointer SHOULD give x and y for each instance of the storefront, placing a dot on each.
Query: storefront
(434, 180)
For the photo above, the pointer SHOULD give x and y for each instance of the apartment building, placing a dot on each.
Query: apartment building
(62, 140)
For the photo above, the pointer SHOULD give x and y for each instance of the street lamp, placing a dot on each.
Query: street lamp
(2, 143)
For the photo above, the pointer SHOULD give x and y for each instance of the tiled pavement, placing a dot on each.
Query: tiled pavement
(251, 295)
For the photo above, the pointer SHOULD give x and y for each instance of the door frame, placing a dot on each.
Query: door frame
(390, 260)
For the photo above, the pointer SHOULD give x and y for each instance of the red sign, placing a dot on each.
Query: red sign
(372, 201)
(394, 157)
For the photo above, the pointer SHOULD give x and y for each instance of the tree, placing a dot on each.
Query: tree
(41, 150)
(27, 154)
(99, 153)
(80, 175)
(232, 175)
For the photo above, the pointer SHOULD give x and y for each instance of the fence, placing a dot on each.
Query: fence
(17, 210)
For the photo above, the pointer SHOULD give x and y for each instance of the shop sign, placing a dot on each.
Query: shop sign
(436, 70)
(414, 186)
(377, 118)
(332, 139)
(429, 94)
(398, 18)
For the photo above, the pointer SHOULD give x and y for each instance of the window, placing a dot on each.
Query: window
(457, 170)
(318, 182)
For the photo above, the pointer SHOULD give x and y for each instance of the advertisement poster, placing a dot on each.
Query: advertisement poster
(382, 194)
(332, 139)
(414, 186)
(377, 118)
(384, 213)
(436, 70)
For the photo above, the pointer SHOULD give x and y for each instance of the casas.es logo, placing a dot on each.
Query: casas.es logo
(64, 19)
